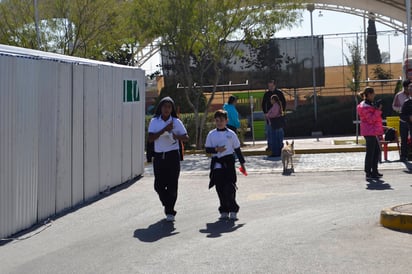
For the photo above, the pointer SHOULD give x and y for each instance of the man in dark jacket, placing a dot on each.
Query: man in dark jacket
(266, 104)
(406, 117)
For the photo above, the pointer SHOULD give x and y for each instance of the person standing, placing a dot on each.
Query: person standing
(274, 117)
(404, 129)
(232, 113)
(371, 128)
(223, 144)
(166, 131)
(267, 104)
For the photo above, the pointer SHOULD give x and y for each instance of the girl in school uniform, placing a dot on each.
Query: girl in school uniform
(166, 131)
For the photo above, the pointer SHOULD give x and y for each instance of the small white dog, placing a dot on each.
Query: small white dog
(287, 153)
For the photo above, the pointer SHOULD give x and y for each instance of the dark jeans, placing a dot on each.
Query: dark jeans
(166, 168)
(268, 135)
(372, 154)
(276, 139)
(226, 191)
(405, 130)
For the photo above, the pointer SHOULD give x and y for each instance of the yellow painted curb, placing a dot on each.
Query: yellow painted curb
(394, 218)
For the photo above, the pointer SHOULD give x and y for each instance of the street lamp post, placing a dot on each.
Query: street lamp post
(408, 21)
(311, 8)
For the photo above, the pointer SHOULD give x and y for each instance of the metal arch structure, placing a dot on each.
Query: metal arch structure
(392, 9)
(391, 13)
(396, 24)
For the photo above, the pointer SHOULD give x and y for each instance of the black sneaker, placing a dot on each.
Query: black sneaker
(377, 174)
(370, 176)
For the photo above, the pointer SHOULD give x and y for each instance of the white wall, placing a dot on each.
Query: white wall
(65, 133)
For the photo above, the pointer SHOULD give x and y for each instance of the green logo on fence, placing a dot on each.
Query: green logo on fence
(130, 91)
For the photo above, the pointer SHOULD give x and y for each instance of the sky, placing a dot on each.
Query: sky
(339, 30)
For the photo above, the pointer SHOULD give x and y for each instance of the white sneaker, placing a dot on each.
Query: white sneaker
(170, 218)
(224, 215)
(233, 215)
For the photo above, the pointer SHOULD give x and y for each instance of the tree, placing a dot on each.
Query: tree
(17, 23)
(373, 53)
(355, 62)
(84, 28)
(195, 33)
(381, 74)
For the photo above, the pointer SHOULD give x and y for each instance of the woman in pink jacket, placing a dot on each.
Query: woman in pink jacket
(371, 128)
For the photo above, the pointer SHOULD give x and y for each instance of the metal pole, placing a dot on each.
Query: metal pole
(365, 38)
(311, 8)
(251, 119)
(36, 24)
(343, 67)
(408, 21)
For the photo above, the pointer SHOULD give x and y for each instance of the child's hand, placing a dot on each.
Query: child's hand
(243, 169)
(220, 149)
(169, 127)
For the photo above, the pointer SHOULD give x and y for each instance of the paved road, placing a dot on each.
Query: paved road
(324, 218)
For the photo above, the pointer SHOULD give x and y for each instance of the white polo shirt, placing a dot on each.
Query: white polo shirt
(166, 142)
(226, 138)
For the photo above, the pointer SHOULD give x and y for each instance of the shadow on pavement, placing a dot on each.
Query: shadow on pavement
(219, 227)
(44, 224)
(408, 166)
(156, 231)
(378, 184)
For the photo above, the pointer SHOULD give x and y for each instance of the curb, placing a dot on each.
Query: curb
(394, 218)
(298, 151)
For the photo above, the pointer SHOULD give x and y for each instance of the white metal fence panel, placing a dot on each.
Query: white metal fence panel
(77, 133)
(26, 145)
(91, 132)
(7, 117)
(127, 142)
(46, 201)
(117, 101)
(105, 126)
(64, 137)
(65, 133)
(138, 120)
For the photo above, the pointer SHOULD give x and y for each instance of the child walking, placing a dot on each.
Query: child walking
(166, 131)
(222, 144)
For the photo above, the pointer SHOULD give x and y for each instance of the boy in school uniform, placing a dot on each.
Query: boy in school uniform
(222, 143)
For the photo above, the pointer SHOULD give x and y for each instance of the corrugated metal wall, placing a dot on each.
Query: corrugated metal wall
(65, 133)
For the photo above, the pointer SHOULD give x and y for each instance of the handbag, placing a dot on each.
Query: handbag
(278, 122)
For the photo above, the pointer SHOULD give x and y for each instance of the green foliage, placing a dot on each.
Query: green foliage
(381, 74)
(398, 86)
(373, 52)
(90, 29)
(355, 62)
(195, 34)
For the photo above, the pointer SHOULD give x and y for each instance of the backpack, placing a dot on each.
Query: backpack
(390, 135)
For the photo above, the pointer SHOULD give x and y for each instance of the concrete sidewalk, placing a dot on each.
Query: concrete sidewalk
(312, 145)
